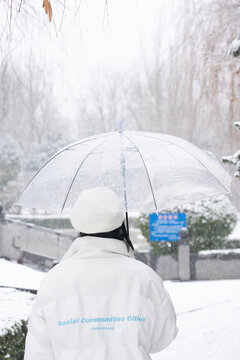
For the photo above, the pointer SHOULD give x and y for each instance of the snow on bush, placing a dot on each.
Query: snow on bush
(9, 160)
(234, 48)
(12, 343)
(235, 158)
(209, 222)
(41, 153)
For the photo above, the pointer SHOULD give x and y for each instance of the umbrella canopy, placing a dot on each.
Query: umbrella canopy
(149, 171)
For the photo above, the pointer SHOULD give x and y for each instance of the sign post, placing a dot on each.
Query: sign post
(173, 227)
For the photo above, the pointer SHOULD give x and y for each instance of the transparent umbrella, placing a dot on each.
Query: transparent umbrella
(149, 171)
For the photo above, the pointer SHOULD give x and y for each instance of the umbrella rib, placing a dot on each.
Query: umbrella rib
(123, 170)
(145, 166)
(188, 152)
(53, 157)
(78, 169)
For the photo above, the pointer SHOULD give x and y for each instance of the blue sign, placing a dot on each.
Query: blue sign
(166, 227)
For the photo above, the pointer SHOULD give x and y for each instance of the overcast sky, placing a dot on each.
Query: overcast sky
(90, 35)
(91, 38)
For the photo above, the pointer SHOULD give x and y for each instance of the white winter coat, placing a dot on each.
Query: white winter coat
(100, 303)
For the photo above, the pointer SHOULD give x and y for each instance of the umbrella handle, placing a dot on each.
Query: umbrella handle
(127, 224)
(128, 241)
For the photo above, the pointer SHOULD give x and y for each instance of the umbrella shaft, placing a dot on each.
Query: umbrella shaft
(127, 225)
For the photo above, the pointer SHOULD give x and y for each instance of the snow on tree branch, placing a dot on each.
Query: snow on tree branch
(234, 48)
(237, 124)
(235, 158)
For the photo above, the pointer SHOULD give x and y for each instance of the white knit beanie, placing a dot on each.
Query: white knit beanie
(97, 210)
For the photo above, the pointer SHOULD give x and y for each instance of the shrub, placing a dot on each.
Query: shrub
(9, 161)
(41, 153)
(12, 343)
(209, 222)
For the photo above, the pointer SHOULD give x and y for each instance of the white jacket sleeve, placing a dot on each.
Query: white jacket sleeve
(165, 329)
(37, 344)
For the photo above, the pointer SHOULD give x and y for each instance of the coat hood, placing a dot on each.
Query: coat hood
(92, 247)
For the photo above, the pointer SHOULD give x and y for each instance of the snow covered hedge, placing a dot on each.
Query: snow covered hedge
(9, 160)
(209, 222)
(12, 343)
(42, 152)
(235, 158)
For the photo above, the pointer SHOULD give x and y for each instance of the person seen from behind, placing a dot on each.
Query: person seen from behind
(99, 302)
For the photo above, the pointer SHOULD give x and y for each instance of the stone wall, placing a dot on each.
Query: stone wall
(40, 247)
(165, 265)
(32, 244)
(202, 267)
(215, 266)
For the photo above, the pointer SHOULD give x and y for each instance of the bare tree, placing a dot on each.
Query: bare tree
(188, 88)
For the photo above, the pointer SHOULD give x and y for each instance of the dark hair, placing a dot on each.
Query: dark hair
(120, 233)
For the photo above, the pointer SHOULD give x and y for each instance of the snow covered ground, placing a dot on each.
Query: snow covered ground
(16, 275)
(219, 251)
(14, 304)
(208, 318)
(208, 313)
